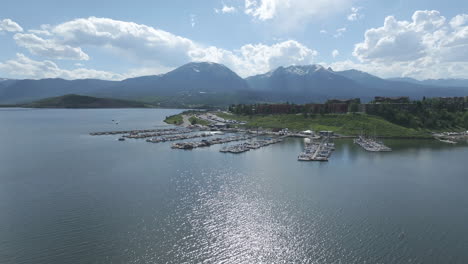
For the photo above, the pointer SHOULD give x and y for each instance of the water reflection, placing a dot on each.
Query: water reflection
(144, 203)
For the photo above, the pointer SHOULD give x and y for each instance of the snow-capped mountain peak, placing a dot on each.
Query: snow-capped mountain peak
(302, 70)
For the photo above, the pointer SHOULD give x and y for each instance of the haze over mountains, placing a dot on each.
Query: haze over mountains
(436, 82)
(211, 83)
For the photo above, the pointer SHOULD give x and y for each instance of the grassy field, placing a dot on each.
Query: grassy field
(174, 120)
(178, 119)
(345, 124)
(197, 121)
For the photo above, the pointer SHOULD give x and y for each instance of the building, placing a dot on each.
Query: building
(326, 133)
(454, 100)
(344, 101)
(392, 100)
(218, 125)
(327, 108)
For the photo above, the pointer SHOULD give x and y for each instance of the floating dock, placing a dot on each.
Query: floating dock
(371, 145)
(317, 151)
(244, 147)
(207, 143)
(133, 132)
(178, 137)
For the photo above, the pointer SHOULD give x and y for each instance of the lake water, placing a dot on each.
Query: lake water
(67, 197)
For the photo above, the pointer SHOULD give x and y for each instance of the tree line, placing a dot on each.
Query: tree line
(287, 108)
(434, 113)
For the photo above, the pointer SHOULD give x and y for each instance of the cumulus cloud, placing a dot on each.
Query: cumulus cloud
(355, 14)
(254, 59)
(404, 40)
(10, 26)
(137, 42)
(406, 69)
(43, 31)
(22, 66)
(428, 46)
(49, 48)
(292, 13)
(459, 21)
(335, 53)
(225, 10)
(157, 49)
(248, 60)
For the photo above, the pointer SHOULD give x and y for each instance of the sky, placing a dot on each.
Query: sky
(114, 40)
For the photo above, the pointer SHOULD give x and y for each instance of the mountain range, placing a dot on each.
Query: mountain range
(215, 84)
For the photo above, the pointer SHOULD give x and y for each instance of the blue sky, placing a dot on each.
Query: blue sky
(120, 39)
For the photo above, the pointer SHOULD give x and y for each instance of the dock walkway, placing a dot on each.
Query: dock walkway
(207, 143)
(316, 151)
(244, 147)
(371, 145)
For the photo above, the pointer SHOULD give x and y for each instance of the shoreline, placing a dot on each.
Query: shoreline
(268, 127)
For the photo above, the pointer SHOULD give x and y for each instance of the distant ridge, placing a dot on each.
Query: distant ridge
(435, 82)
(305, 83)
(205, 83)
(80, 101)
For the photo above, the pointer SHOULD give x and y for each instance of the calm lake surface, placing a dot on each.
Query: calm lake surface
(67, 197)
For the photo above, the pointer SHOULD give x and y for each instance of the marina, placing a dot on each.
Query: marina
(317, 151)
(207, 143)
(178, 137)
(244, 147)
(158, 134)
(319, 147)
(107, 133)
(371, 145)
(451, 137)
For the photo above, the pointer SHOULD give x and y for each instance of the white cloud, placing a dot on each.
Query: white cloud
(226, 10)
(10, 26)
(139, 43)
(406, 69)
(323, 31)
(355, 14)
(23, 66)
(44, 31)
(146, 71)
(335, 53)
(289, 14)
(404, 40)
(340, 32)
(254, 59)
(458, 21)
(428, 46)
(248, 60)
(49, 48)
(40, 32)
(157, 49)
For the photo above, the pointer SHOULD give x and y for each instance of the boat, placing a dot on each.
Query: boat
(371, 145)
(304, 157)
(447, 141)
(121, 139)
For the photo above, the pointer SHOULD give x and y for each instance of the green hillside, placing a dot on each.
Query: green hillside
(80, 101)
(345, 124)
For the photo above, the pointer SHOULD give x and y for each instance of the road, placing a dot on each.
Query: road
(185, 121)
